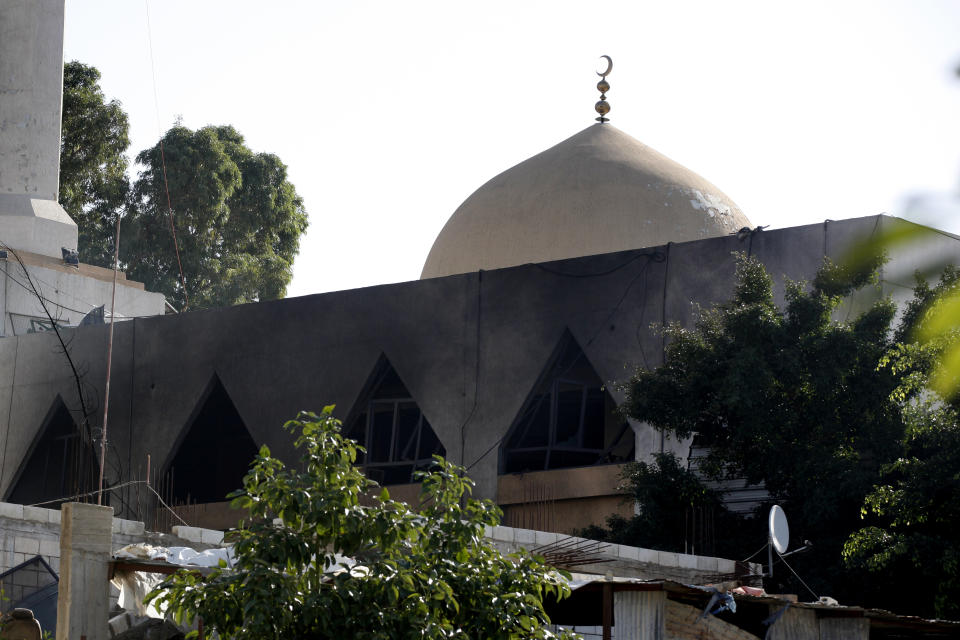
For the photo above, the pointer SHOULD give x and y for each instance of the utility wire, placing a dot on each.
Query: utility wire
(63, 306)
(83, 495)
(163, 160)
(68, 294)
(655, 256)
(752, 555)
(63, 344)
(108, 489)
(40, 295)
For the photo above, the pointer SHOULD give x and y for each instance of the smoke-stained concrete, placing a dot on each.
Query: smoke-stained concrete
(469, 348)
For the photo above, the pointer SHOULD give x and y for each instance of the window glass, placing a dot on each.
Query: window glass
(595, 418)
(408, 421)
(569, 405)
(568, 421)
(381, 432)
(429, 444)
(400, 438)
(535, 431)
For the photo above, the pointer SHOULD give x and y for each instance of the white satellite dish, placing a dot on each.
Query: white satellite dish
(779, 531)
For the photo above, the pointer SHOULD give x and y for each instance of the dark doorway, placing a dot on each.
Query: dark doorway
(214, 453)
(61, 464)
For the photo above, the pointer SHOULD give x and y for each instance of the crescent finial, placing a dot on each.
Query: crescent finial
(603, 107)
(609, 67)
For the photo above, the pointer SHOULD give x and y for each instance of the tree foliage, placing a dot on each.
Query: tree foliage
(335, 566)
(791, 398)
(238, 220)
(237, 217)
(670, 499)
(912, 516)
(93, 168)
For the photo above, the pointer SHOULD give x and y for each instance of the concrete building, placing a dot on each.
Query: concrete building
(38, 239)
(536, 299)
(467, 364)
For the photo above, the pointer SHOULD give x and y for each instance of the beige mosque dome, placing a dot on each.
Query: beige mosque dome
(597, 192)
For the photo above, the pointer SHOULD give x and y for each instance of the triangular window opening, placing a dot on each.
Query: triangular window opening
(569, 420)
(390, 425)
(214, 454)
(62, 464)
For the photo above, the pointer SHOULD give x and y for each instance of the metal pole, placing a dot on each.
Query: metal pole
(769, 557)
(607, 615)
(106, 388)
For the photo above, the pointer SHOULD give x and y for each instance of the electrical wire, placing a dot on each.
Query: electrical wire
(83, 495)
(113, 488)
(40, 295)
(163, 160)
(566, 274)
(63, 344)
(752, 555)
(61, 292)
(63, 306)
(165, 505)
(655, 256)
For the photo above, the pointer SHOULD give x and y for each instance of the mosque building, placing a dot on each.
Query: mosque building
(535, 300)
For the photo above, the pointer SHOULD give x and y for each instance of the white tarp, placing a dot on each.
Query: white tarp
(180, 556)
(135, 585)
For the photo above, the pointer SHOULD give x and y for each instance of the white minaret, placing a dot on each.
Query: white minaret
(31, 96)
(32, 223)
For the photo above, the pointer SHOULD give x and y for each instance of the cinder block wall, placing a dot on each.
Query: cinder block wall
(26, 532)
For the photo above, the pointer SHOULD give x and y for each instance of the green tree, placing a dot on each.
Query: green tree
(93, 167)
(912, 516)
(237, 218)
(671, 500)
(790, 398)
(337, 565)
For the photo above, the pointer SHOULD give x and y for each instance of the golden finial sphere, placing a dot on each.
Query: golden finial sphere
(602, 107)
(603, 86)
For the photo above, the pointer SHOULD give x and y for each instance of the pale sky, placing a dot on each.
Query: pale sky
(389, 114)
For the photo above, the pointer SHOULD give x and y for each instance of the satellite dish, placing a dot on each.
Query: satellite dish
(779, 531)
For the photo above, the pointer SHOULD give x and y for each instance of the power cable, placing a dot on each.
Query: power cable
(63, 306)
(752, 555)
(63, 344)
(566, 274)
(63, 293)
(655, 256)
(165, 505)
(163, 160)
(40, 295)
(77, 496)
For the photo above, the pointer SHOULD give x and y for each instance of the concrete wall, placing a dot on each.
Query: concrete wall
(623, 560)
(31, 84)
(69, 292)
(469, 348)
(26, 532)
(562, 500)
